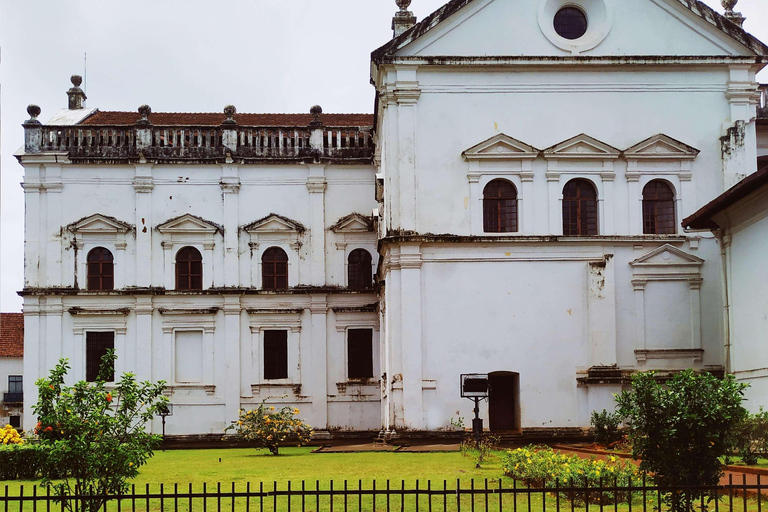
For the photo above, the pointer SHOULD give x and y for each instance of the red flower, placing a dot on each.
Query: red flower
(109, 397)
(48, 429)
(51, 386)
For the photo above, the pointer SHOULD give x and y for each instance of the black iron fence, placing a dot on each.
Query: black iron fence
(400, 496)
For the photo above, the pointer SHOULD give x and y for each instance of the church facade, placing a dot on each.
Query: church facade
(513, 208)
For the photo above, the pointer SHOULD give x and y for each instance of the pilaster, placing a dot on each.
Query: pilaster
(411, 335)
(232, 311)
(143, 184)
(319, 360)
(316, 185)
(230, 188)
(407, 95)
(143, 334)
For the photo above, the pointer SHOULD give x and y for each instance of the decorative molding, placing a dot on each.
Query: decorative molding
(501, 147)
(99, 224)
(582, 147)
(189, 224)
(198, 311)
(209, 389)
(661, 147)
(353, 223)
(669, 353)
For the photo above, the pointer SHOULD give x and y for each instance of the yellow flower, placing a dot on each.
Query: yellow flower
(271, 408)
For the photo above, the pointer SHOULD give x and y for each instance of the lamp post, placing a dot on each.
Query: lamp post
(475, 387)
(164, 411)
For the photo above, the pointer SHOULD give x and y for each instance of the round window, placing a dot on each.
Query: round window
(570, 23)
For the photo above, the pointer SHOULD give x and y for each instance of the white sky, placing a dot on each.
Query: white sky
(191, 55)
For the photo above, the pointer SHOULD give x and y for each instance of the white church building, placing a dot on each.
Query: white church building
(513, 207)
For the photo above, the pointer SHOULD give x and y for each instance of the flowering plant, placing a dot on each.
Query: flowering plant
(541, 466)
(10, 435)
(266, 427)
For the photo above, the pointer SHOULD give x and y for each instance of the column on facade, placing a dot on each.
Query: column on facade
(230, 187)
(635, 198)
(32, 202)
(318, 355)
(393, 341)
(54, 348)
(407, 95)
(143, 185)
(232, 310)
(638, 285)
(411, 335)
(316, 185)
(475, 200)
(143, 336)
(33, 356)
(554, 194)
(739, 145)
(527, 200)
(608, 213)
(53, 186)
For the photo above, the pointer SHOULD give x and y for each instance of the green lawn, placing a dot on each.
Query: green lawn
(761, 462)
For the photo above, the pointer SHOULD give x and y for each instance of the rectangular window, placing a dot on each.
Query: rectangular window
(15, 421)
(96, 346)
(15, 384)
(189, 356)
(360, 353)
(275, 355)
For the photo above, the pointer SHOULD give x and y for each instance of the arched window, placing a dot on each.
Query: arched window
(658, 209)
(500, 207)
(189, 269)
(359, 275)
(101, 269)
(579, 208)
(274, 269)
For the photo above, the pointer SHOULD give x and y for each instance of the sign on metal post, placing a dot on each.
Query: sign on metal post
(475, 387)
(164, 411)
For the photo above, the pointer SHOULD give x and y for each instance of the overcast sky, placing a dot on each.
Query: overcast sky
(191, 55)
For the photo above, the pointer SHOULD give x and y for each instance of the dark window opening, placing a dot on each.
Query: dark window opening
(189, 269)
(500, 207)
(570, 23)
(15, 384)
(15, 421)
(101, 269)
(359, 270)
(360, 353)
(579, 209)
(658, 209)
(274, 269)
(275, 355)
(96, 346)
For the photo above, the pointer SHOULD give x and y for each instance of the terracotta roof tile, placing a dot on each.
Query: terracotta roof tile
(215, 119)
(11, 334)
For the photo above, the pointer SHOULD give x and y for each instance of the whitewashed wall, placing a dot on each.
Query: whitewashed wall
(9, 366)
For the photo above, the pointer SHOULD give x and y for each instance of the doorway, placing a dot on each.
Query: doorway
(504, 401)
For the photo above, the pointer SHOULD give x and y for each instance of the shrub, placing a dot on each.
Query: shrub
(681, 430)
(752, 437)
(23, 461)
(10, 435)
(469, 448)
(94, 439)
(266, 428)
(541, 466)
(606, 426)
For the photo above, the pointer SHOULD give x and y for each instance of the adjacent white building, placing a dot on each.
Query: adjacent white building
(518, 194)
(11, 362)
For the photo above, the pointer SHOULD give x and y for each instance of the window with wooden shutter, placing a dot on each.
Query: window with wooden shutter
(275, 355)
(96, 346)
(360, 353)
(579, 208)
(359, 270)
(659, 209)
(101, 269)
(500, 207)
(189, 269)
(274, 269)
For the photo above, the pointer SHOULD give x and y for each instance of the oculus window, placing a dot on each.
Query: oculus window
(570, 23)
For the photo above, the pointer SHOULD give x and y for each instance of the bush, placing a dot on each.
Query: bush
(266, 428)
(681, 430)
(752, 437)
(541, 466)
(10, 435)
(469, 448)
(22, 461)
(606, 426)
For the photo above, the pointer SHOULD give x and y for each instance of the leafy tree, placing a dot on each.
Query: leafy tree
(752, 436)
(681, 429)
(95, 437)
(265, 427)
(606, 426)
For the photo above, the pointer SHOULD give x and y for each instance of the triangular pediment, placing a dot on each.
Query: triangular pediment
(661, 147)
(188, 223)
(479, 28)
(667, 255)
(353, 223)
(501, 147)
(99, 224)
(582, 146)
(274, 223)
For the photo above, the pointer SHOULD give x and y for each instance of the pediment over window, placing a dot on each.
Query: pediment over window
(500, 147)
(667, 256)
(353, 223)
(188, 224)
(662, 147)
(582, 147)
(274, 223)
(99, 225)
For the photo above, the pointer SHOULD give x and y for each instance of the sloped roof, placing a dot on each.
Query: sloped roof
(697, 7)
(215, 119)
(11, 334)
(702, 219)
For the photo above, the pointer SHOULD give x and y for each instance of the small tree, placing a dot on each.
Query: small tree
(95, 438)
(266, 428)
(681, 430)
(606, 426)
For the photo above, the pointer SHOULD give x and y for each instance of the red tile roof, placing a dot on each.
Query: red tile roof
(215, 119)
(11, 334)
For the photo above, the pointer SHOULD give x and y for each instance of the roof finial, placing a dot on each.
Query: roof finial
(75, 93)
(735, 17)
(404, 19)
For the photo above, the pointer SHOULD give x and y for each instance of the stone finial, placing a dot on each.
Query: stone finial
(735, 17)
(230, 112)
(33, 111)
(144, 112)
(75, 93)
(404, 19)
(316, 111)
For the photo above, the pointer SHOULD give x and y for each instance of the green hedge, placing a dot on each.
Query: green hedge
(23, 462)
